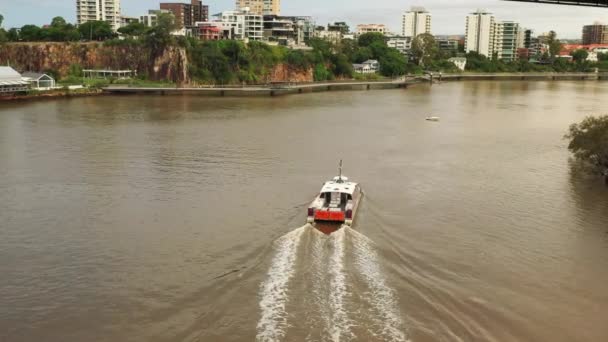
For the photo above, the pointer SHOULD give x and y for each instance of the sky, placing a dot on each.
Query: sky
(448, 15)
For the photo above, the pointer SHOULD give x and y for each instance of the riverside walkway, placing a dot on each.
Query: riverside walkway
(271, 89)
(287, 88)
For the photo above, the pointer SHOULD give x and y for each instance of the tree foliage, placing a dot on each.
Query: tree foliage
(425, 49)
(368, 39)
(159, 36)
(555, 46)
(589, 142)
(3, 34)
(579, 55)
(133, 30)
(96, 30)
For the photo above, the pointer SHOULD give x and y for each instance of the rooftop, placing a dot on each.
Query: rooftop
(345, 187)
(8, 74)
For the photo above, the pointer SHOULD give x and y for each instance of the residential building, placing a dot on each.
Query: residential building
(595, 34)
(460, 62)
(242, 24)
(401, 43)
(416, 21)
(506, 40)
(479, 33)
(272, 7)
(187, 14)
(98, 10)
(371, 28)
(331, 36)
(288, 31)
(11, 81)
(260, 7)
(211, 31)
(448, 45)
(339, 26)
(124, 21)
(151, 19)
(368, 67)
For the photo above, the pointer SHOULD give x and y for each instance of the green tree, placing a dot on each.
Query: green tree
(320, 73)
(555, 46)
(3, 34)
(58, 22)
(425, 49)
(133, 30)
(579, 55)
(159, 37)
(341, 65)
(392, 64)
(30, 33)
(298, 59)
(96, 30)
(602, 56)
(13, 35)
(362, 54)
(589, 143)
(367, 39)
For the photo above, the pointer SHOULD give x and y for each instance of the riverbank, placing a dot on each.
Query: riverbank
(300, 88)
(53, 94)
(280, 89)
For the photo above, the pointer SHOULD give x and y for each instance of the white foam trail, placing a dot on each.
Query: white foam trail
(381, 297)
(339, 323)
(318, 277)
(273, 320)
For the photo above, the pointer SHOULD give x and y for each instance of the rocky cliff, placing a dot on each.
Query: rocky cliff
(285, 73)
(58, 57)
(170, 65)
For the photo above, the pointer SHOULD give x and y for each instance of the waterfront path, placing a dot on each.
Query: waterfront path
(276, 89)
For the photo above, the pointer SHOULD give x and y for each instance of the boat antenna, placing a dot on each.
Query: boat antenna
(340, 170)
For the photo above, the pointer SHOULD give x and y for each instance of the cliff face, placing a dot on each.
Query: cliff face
(170, 65)
(285, 73)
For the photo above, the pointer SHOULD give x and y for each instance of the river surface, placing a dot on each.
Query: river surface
(182, 218)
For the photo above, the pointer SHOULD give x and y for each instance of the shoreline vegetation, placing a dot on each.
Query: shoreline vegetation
(163, 61)
(106, 87)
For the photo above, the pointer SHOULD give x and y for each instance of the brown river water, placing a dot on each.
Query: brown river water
(182, 218)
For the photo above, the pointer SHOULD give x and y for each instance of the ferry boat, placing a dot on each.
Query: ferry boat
(337, 202)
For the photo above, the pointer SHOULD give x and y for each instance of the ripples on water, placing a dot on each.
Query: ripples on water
(153, 218)
(334, 294)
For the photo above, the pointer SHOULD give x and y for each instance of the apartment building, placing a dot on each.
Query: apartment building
(260, 7)
(151, 19)
(416, 21)
(479, 35)
(99, 10)
(595, 34)
(187, 14)
(507, 39)
(371, 28)
(242, 24)
(402, 44)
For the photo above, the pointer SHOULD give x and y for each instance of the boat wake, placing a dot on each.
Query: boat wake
(273, 322)
(379, 295)
(335, 278)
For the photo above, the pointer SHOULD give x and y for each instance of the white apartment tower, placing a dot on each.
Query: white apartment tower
(479, 36)
(416, 21)
(507, 40)
(99, 10)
